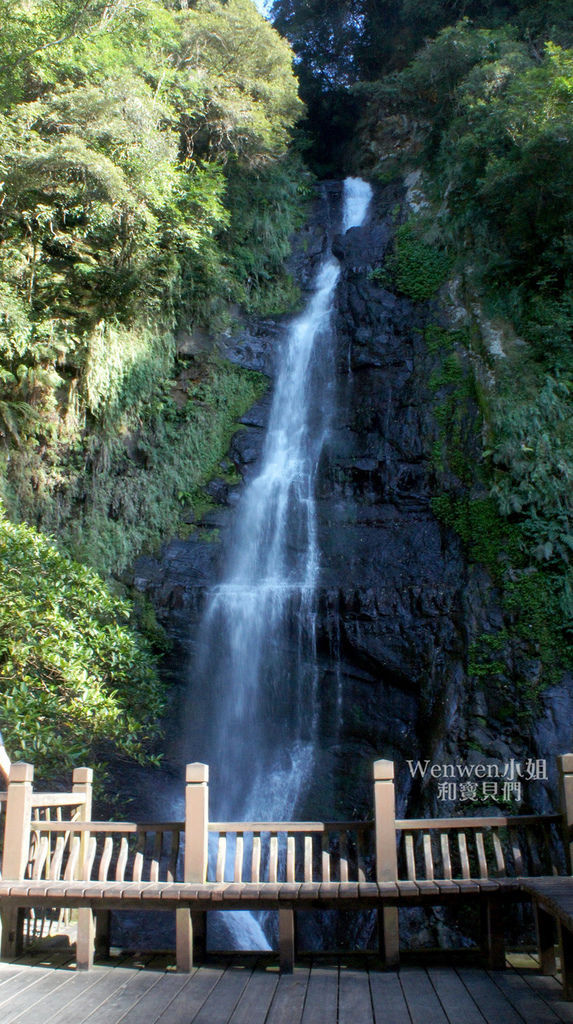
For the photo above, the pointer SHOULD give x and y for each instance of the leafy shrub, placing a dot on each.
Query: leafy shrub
(75, 677)
(419, 268)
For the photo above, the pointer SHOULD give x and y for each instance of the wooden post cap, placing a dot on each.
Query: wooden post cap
(82, 775)
(565, 762)
(21, 772)
(383, 771)
(197, 772)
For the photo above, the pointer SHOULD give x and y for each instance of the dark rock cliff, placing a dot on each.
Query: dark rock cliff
(398, 604)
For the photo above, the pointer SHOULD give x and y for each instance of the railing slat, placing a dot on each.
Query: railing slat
(71, 866)
(41, 857)
(482, 859)
(325, 857)
(105, 859)
(516, 851)
(308, 859)
(156, 856)
(360, 835)
(121, 860)
(464, 858)
(57, 858)
(551, 851)
(239, 852)
(273, 858)
(410, 858)
(174, 856)
(138, 857)
(533, 847)
(256, 859)
(446, 856)
(221, 858)
(344, 856)
(498, 851)
(291, 857)
(428, 857)
(89, 858)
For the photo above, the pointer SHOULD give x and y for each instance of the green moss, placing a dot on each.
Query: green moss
(477, 521)
(438, 339)
(381, 276)
(126, 491)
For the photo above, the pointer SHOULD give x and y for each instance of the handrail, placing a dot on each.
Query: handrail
(288, 826)
(402, 824)
(415, 824)
(127, 827)
(58, 799)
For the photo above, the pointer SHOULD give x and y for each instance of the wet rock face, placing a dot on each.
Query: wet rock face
(397, 605)
(390, 606)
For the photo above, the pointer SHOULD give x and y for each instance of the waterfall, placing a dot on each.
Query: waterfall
(256, 667)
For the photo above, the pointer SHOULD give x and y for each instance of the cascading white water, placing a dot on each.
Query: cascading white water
(257, 666)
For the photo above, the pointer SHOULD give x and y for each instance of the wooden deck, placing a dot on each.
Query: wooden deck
(146, 991)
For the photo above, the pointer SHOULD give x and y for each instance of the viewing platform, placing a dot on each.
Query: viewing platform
(56, 859)
(142, 990)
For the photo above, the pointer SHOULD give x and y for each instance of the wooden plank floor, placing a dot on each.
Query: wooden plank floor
(146, 991)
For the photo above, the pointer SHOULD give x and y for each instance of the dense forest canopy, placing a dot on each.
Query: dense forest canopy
(146, 185)
(338, 43)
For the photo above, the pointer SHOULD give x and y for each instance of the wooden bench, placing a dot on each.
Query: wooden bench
(94, 900)
(553, 904)
(56, 856)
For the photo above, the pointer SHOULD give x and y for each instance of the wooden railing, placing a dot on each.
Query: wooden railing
(480, 847)
(290, 851)
(106, 851)
(51, 837)
(47, 807)
(275, 852)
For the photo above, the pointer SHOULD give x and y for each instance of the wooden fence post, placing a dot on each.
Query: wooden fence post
(386, 857)
(82, 783)
(16, 850)
(565, 767)
(195, 862)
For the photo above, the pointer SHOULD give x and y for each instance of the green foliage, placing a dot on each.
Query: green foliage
(123, 492)
(269, 204)
(338, 43)
(486, 107)
(532, 466)
(145, 186)
(135, 143)
(440, 340)
(75, 677)
(478, 522)
(249, 99)
(519, 524)
(419, 267)
(145, 183)
(491, 118)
